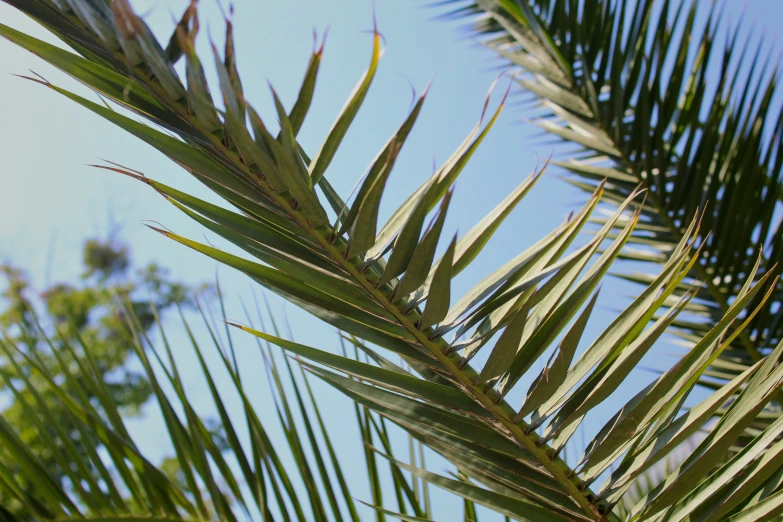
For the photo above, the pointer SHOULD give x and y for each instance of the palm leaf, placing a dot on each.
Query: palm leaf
(207, 486)
(664, 94)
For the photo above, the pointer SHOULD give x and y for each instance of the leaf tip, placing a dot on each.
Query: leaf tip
(157, 229)
(318, 50)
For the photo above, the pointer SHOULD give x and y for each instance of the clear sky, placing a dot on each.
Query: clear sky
(50, 201)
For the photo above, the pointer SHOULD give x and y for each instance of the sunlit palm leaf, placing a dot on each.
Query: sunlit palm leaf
(662, 93)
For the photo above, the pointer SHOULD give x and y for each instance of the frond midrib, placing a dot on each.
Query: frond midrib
(466, 376)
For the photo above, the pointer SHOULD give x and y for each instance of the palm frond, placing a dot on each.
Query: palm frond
(383, 285)
(665, 94)
(234, 473)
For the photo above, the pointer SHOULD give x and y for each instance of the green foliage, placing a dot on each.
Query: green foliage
(85, 315)
(221, 470)
(376, 283)
(662, 94)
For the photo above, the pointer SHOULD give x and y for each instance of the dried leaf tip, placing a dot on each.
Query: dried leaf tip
(231, 323)
(40, 79)
(187, 29)
(427, 87)
(318, 50)
(125, 19)
(160, 229)
(505, 94)
(135, 174)
(189, 16)
(489, 96)
(508, 89)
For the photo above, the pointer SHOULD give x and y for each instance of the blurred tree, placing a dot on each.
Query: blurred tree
(90, 312)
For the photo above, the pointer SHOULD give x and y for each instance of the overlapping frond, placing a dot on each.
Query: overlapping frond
(234, 472)
(667, 94)
(382, 285)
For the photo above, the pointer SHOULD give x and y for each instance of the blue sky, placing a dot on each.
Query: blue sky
(51, 201)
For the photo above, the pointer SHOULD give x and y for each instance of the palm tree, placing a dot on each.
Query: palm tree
(385, 287)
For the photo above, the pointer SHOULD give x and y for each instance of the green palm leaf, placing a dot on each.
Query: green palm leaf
(649, 95)
(259, 484)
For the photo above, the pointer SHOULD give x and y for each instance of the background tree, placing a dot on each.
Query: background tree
(86, 314)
